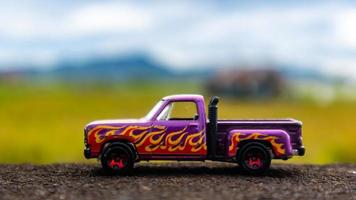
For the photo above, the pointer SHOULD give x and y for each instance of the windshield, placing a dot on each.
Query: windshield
(166, 112)
(154, 110)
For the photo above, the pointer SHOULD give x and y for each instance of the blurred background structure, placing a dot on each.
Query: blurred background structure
(66, 63)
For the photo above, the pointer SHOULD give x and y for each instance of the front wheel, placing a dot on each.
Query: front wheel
(254, 158)
(117, 159)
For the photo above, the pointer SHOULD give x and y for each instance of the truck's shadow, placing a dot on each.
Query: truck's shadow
(161, 171)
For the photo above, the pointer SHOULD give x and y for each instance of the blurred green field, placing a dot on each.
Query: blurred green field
(43, 123)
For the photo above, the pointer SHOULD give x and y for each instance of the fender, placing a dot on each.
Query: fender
(279, 140)
(102, 134)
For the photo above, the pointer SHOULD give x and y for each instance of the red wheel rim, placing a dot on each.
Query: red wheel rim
(117, 160)
(254, 159)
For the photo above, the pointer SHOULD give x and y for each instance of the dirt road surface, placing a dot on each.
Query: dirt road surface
(177, 180)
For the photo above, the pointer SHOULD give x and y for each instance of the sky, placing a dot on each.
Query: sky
(182, 34)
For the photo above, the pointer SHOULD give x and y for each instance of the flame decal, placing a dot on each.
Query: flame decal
(96, 132)
(158, 139)
(238, 137)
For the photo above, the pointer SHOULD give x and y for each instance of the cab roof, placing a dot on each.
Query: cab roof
(183, 97)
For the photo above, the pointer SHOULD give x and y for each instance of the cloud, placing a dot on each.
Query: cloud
(103, 18)
(30, 22)
(184, 33)
(344, 27)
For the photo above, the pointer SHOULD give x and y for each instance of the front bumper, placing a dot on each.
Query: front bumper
(87, 152)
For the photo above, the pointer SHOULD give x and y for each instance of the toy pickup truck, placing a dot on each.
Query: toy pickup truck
(167, 134)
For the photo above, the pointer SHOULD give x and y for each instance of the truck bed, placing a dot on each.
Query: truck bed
(291, 126)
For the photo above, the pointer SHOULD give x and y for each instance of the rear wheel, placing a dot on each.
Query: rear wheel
(254, 158)
(117, 159)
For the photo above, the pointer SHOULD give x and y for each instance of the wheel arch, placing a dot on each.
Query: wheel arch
(277, 140)
(125, 142)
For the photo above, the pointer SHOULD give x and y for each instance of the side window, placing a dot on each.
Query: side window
(179, 110)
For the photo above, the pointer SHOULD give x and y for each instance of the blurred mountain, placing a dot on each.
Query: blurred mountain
(140, 66)
(111, 68)
(131, 67)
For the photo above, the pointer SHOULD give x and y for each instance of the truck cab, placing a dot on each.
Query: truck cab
(178, 128)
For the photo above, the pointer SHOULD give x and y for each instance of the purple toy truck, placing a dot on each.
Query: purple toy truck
(164, 134)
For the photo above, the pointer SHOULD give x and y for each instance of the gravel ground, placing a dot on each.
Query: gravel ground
(177, 180)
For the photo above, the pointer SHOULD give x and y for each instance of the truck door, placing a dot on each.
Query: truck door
(184, 134)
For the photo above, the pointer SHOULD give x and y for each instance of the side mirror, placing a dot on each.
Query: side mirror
(196, 117)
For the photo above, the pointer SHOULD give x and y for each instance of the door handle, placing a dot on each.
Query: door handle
(193, 124)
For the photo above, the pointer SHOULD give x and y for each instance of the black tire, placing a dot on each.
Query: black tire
(254, 158)
(117, 158)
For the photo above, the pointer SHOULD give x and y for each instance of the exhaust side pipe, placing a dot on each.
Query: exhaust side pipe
(213, 117)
